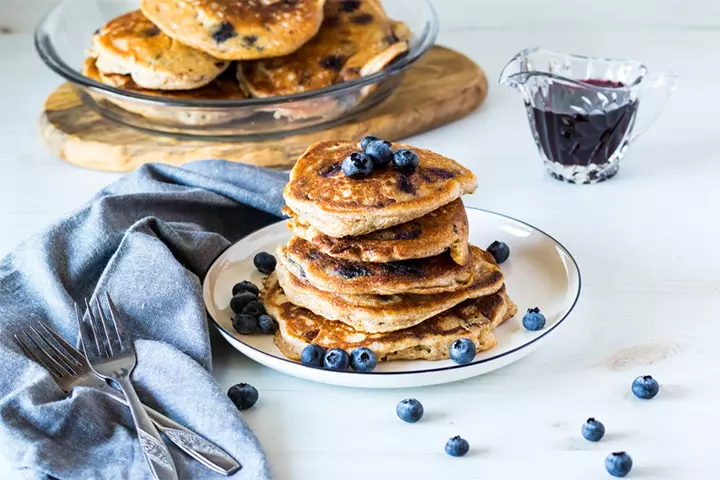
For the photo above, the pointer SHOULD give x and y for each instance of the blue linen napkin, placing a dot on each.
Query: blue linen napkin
(148, 239)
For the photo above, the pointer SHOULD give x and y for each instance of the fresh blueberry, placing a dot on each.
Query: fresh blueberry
(312, 356)
(462, 351)
(266, 324)
(265, 263)
(457, 446)
(239, 301)
(245, 286)
(366, 140)
(618, 464)
(254, 308)
(592, 430)
(243, 395)
(245, 324)
(533, 319)
(405, 160)
(336, 359)
(380, 152)
(363, 360)
(410, 410)
(499, 250)
(357, 165)
(645, 387)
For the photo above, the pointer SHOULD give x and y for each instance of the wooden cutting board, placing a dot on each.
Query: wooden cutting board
(441, 87)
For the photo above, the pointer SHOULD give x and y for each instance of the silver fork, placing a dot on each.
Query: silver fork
(111, 356)
(69, 368)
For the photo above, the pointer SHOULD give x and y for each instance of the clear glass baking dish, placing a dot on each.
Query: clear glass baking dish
(64, 36)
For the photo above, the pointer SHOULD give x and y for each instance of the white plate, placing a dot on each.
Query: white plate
(540, 272)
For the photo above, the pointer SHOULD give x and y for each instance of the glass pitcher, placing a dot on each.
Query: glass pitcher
(583, 110)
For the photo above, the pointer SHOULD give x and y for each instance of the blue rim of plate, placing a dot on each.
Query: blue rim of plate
(426, 370)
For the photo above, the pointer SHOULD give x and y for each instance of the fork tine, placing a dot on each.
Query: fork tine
(122, 339)
(93, 325)
(67, 363)
(104, 323)
(31, 353)
(71, 351)
(85, 332)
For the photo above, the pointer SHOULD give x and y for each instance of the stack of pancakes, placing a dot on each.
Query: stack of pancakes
(382, 262)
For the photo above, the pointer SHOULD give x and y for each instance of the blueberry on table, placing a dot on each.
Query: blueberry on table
(618, 464)
(357, 165)
(265, 263)
(313, 356)
(380, 152)
(240, 300)
(533, 319)
(462, 351)
(336, 359)
(410, 410)
(363, 360)
(243, 395)
(254, 308)
(499, 250)
(245, 324)
(405, 160)
(457, 446)
(645, 387)
(592, 430)
(366, 140)
(245, 286)
(266, 324)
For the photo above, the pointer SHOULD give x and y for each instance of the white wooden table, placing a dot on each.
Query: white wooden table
(646, 243)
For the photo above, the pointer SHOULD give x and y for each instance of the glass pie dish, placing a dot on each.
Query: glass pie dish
(63, 37)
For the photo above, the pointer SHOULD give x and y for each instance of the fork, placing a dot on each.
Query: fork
(69, 368)
(111, 356)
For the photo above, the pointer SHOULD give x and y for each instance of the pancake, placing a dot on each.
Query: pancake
(339, 206)
(443, 229)
(238, 29)
(132, 45)
(427, 276)
(430, 340)
(386, 313)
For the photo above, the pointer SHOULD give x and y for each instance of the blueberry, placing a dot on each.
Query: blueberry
(645, 387)
(239, 301)
(462, 351)
(533, 319)
(592, 430)
(457, 446)
(366, 140)
(405, 160)
(618, 464)
(312, 356)
(380, 152)
(254, 308)
(265, 263)
(336, 359)
(245, 286)
(357, 165)
(245, 324)
(410, 410)
(266, 324)
(363, 360)
(499, 250)
(243, 395)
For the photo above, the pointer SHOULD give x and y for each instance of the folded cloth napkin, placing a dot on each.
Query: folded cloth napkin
(148, 239)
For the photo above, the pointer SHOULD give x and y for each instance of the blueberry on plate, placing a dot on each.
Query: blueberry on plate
(457, 446)
(499, 250)
(245, 324)
(618, 464)
(409, 410)
(645, 387)
(405, 160)
(336, 359)
(462, 351)
(363, 360)
(313, 356)
(357, 165)
(266, 324)
(265, 263)
(380, 152)
(533, 319)
(245, 286)
(254, 308)
(243, 395)
(366, 140)
(240, 300)
(592, 430)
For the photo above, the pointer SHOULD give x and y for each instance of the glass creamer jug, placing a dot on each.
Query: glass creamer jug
(583, 110)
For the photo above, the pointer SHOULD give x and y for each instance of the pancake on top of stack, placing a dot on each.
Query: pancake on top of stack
(381, 260)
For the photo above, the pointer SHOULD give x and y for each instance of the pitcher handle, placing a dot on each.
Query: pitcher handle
(663, 85)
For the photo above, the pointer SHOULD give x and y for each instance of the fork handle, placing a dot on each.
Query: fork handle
(199, 448)
(156, 453)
